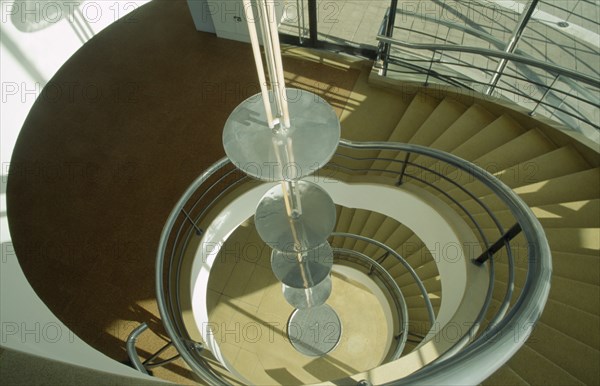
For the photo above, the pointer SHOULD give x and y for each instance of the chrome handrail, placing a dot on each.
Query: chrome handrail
(562, 103)
(495, 346)
(496, 54)
(404, 263)
(486, 352)
(397, 296)
(163, 306)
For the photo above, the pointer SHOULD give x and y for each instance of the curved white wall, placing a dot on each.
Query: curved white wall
(435, 224)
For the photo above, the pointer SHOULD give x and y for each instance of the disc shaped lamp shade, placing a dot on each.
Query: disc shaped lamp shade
(306, 146)
(303, 269)
(302, 232)
(302, 298)
(314, 331)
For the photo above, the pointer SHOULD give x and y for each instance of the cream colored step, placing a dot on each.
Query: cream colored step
(578, 324)
(551, 191)
(568, 353)
(370, 228)
(466, 126)
(577, 267)
(396, 241)
(405, 248)
(497, 133)
(573, 266)
(583, 296)
(536, 369)
(416, 260)
(440, 119)
(343, 223)
(433, 285)
(425, 272)
(389, 230)
(501, 131)
(418, 314)
(446, 113)
(584, 241)
(356, 226)
(577, 214)
(419, 110)
(581, 325)
(574, 240)
(505, 376)
(556, 163)
(413, 302)
(578, 186)
(366, 102)
(518, 151)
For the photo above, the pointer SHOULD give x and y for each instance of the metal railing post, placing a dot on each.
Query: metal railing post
(403, 170)
(545, 93)
(312, 22)
(499, 244)
(389, 32)
(429, 69)
(512, 44)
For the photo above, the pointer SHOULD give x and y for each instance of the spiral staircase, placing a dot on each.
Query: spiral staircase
(540, 164)
(555, 174)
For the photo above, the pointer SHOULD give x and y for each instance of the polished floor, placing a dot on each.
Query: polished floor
(95, 174)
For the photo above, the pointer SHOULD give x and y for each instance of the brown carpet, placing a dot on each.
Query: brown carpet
(108, 148)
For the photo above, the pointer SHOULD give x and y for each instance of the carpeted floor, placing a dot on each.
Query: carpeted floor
(108, 148)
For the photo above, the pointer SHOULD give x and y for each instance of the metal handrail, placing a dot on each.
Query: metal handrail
(486, 352)
(497, 54)
(495, 346)
(163, 305)
(392, 286)
(404, 263)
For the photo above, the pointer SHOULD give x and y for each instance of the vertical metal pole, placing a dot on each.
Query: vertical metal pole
(403, 170)
(389, 32)
(544, 96)
(512, 44)
(312, 22)
(429, 70)
(300, 16)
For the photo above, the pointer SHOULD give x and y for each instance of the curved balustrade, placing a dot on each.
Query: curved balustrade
(566, 95)
(488, 343)
(388, 281)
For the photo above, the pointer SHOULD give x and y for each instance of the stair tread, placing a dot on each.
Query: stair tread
(536, 369)
(505, 375)
(545, 339)
(497, 133)
(562, 215)
(550, 191)
(518, 151)
(562, 265)
(473, 119)
(554, 164)
(447, 112)
(420, 109)
(583, 296)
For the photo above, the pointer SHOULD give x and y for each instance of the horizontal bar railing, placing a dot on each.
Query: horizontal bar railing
(510, 258)
(558, 108)
(497, 54)
(392, 288)
(487, 349)
(404, 263)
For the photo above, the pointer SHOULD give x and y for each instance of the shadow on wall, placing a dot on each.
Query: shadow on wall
(34, 15)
